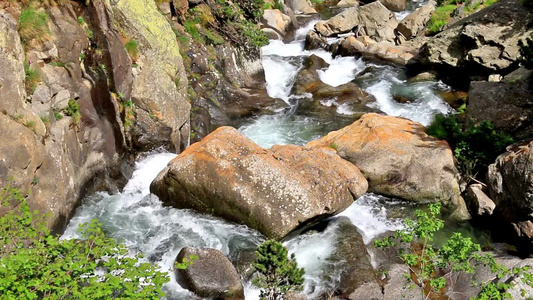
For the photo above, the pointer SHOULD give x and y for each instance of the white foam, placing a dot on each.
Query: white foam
(341, 70)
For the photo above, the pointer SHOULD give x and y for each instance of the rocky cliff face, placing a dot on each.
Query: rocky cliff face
(75, 104)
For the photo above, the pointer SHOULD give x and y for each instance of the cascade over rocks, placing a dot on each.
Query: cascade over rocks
(308, 81)
(510, 181)
(481, 44)
(274, 191)
(212, 275)
(400, 160)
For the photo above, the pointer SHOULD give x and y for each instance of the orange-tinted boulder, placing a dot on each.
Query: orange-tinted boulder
(272, 190)
(400, 160)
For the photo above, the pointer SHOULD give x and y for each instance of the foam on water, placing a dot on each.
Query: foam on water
(341, 70)
(138, 219)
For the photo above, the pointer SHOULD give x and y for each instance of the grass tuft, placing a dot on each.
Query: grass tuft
(33, 26)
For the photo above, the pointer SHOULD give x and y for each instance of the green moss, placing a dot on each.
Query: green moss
(440, 17)
(132, 47)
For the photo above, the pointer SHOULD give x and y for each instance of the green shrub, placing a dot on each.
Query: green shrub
(253, 33)
(73, 110)
(278, 274)
(34, 264)
(526, 52)
(440, 17)
(252, 9)
(428, 264)
(132, 48)
(474, 147)
(32, 77)
(33, 26)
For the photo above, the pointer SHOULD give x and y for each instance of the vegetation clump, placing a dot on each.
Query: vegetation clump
(32, 77)
(474, 146)
(430, 265)
(526, 52)
(442, 14)
(132, 47)
(35, 264)
(278, 273)
(33, 26)
(73, 110)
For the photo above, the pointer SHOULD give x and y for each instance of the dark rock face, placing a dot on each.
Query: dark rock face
(274, 191)
(510, 181)
(508, 105)
(212, 275)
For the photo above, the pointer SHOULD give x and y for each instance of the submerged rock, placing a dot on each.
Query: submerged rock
(274, 191)
(352, 259)
(211, 275)
(510, 181)
(308, 82)
(400, 160)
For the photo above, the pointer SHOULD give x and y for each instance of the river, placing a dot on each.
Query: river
(138, 218)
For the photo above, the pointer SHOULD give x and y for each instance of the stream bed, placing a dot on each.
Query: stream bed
(138, 218)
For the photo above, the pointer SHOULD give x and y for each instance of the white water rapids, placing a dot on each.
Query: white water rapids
(138, 218)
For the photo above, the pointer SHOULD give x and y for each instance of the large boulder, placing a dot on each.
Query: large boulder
(508, 105)
(383, 51)
(484, 43)
(510, 181)
(377, 22)
(274, 191)
(373, 20)
(343, 22)
(300, 6)
(275, 19)
(415, 22)
(400, 160)
(160, 81)
(211, 275)
(394, 5)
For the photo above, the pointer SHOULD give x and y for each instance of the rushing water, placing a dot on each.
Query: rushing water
(138, 218)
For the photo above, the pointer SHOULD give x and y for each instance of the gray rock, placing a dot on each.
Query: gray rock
(394, 5)
(377, 22)
(300, 6)
(398, 287)
(510, 181)
(492, 34)
(347, 3)
(60, 100)
(507, 105)
(276, 20)
(160, 88)
(274, 191)
(212, 275)
(478, 202)
(343, 22)
(415, 23)
(42, 94)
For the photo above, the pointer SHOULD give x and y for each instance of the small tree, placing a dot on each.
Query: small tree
(278, 274)
(429, 265)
